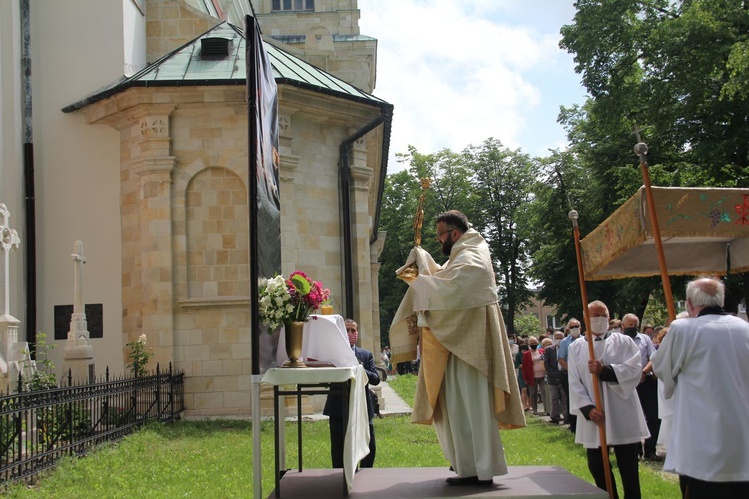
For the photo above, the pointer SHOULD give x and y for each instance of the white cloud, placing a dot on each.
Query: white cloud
(459, 72)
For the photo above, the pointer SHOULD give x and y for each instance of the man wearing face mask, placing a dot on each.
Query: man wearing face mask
(647, 390)
(618, 366)
(573, 333)
(557, 394)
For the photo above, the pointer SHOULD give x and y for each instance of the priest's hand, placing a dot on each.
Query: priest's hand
(407, 276)
(413, 256)
(410, 270)
(597, 417)
(595, 367)
(418, 260)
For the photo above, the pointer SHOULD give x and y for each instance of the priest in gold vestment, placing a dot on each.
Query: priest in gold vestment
(467, 386)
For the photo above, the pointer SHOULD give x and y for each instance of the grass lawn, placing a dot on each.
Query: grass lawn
(214, 459)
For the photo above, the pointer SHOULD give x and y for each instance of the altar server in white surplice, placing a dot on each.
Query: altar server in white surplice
(619, 367)
(703, 363)
(467, 385)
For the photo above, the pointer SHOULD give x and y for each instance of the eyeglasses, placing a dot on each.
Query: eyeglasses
(351, 329)
(439, 234)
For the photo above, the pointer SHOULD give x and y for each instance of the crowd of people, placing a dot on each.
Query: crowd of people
(673, 391)
(542, 371)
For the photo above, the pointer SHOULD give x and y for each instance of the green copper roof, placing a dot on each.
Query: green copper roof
(187, 66)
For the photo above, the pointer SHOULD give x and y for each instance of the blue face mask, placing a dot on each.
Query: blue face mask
(512, 342)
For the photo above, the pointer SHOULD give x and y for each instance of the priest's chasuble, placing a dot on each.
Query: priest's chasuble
(460, 316)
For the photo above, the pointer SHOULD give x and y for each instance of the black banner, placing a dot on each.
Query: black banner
(264, 196)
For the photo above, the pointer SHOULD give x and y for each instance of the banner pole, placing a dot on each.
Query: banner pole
(591, 353)
(257, 463)
(641, 149)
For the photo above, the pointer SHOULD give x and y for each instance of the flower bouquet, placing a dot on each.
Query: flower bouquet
(293, 299)
(290, 302)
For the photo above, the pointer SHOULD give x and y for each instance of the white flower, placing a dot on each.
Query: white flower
(142, 338)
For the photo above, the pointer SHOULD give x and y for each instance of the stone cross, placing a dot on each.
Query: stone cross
(78, 262)
(78, 323)
(79, 354)
(10, 241)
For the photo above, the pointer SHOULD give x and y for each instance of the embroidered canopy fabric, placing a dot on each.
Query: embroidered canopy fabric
(704, 231)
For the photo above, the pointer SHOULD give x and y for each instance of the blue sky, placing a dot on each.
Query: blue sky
(461, 71)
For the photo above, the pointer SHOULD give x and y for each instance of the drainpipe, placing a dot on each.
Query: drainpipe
(345, 179)
(28, 177)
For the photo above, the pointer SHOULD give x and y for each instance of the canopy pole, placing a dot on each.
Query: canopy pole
(641, 149)
(591, 354)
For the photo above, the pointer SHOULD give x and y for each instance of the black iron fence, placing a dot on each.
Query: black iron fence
(39, 427)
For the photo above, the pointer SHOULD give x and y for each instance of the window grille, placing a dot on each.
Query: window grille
(293, 5)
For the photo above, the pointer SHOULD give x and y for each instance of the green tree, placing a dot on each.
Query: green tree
(678, 70)
(527, 325)
(564, 184)
(671, 67)
(502, 181)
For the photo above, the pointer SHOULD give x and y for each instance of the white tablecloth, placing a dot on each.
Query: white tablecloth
(356, 440)
(325, 339)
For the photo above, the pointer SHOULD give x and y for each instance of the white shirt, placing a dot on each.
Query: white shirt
(625, 423)
(704, 364)
(645, 345)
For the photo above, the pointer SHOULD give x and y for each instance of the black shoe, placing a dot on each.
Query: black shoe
(555, 420)
(468, 480)
(653, 457)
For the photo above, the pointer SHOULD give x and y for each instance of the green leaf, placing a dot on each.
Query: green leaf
(301, 284)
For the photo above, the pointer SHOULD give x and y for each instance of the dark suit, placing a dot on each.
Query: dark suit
(334, 410)
(557, 392)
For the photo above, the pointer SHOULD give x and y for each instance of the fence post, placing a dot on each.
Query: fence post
(19, 419)
(134, 398)
(171, 391)
(158, 392)
(69, 410)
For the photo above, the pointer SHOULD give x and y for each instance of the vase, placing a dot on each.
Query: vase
(293, 335)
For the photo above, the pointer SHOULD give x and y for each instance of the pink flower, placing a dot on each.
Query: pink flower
(306, 295)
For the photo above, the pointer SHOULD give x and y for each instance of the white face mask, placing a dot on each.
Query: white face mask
(575, 332)
(557, 341)
(599, 325)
